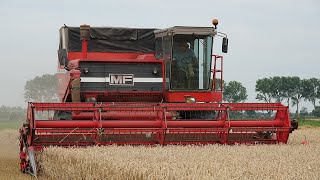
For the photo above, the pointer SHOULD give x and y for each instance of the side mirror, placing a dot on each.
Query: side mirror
(225, 45)
(63, 57)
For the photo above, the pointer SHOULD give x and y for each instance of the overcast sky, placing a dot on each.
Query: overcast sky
(266, 38)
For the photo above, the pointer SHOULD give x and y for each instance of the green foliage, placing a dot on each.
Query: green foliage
(251, 113)
(277, 89)
(234, 92)
(11, 117)
(218, 84)
(297, 93)
(309, 122)
(12, 113)
(10, 125)
(288, 87)
(264, 88)
(316, 111)
(304, 111)
(311, 90)
(41, 89)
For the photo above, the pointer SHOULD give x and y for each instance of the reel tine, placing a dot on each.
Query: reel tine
(32, 161)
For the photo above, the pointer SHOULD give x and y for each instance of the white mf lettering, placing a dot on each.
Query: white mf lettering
(121, 79)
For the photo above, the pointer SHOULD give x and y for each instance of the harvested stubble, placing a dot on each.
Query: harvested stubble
(291, 161)
(9, 155)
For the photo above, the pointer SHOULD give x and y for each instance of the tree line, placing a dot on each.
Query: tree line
(272, 89)
(289, 89)
(39, 89)
(12, 113)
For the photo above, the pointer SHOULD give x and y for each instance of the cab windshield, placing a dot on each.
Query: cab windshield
(191, 62)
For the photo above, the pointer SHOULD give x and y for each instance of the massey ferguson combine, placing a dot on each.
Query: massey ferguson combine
(129, 86)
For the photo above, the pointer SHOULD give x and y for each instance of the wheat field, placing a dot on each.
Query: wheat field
(9, 156)
(291, 161)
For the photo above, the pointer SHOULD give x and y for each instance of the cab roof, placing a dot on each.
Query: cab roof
(185, 30)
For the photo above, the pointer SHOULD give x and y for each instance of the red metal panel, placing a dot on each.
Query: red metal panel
(66, 124)
(194, 124)
(131, 124)
(95, 124)
(255, 123)
(125, 96)
(154, 124)
(84, 49)
(114, 57)
(122, 114)
(207, 96)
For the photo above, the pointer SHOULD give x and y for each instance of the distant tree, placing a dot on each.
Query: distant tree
(41, 89)
(251, 113)
(316, 111)
(298, 93)
(288, 88)
(311, 90)
(218, 84)
(278, 90)
(264, 89)
(234, 92)
(12, 113)
(304, 111)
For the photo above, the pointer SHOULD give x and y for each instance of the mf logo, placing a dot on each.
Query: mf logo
(121, 79)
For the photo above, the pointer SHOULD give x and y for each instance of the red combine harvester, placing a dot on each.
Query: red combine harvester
(143, 87)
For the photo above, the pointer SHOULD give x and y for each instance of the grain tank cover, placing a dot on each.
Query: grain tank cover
(109, 39)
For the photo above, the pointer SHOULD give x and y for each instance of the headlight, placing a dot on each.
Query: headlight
(190, 99)
(91, 99)
(155, 71)
(86, 70)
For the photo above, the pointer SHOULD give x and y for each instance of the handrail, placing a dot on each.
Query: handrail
(215, 71)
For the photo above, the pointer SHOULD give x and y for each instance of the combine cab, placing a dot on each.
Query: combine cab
(143, 87)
